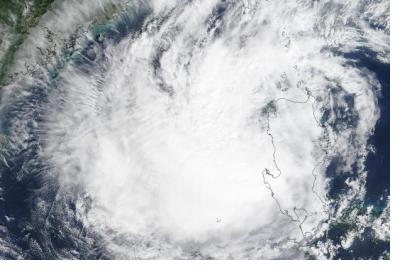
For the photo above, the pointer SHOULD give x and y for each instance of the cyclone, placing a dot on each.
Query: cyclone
(195, 130)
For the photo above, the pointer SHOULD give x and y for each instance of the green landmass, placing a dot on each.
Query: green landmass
(12, 15)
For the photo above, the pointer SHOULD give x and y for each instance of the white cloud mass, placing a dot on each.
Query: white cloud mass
(205, 133)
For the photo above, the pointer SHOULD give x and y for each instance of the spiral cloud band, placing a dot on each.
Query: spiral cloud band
(196, 130)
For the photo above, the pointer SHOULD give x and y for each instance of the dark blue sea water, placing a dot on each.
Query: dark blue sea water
(377, 164)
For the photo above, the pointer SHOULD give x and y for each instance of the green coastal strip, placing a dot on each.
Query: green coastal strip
(19, 16)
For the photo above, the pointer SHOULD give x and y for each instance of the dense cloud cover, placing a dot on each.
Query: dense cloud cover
(194, 129)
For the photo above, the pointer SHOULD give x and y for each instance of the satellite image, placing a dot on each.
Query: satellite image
(194, 129)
